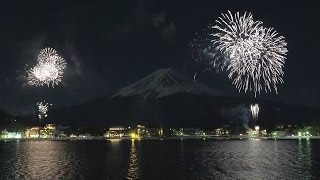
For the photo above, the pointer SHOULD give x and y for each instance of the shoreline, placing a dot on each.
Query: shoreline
(167, 138)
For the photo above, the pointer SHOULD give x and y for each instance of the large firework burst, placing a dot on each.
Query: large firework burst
(49, 70)
(256, 54)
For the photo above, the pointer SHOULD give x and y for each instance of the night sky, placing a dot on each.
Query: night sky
(112, 44)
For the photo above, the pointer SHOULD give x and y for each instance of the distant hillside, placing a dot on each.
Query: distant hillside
(172, 99)
(10, 122)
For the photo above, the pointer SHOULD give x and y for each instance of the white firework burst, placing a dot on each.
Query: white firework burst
(49, 70)
(255, 111)
(236, 35)
(256, 54)
(43, 109)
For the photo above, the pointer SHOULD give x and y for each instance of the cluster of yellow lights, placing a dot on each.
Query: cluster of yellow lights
(135, 136)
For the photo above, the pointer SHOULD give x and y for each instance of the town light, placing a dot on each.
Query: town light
(134, 136)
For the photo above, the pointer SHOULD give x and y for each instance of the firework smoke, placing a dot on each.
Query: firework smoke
(239, 114)
(204, 53)
(49, 70)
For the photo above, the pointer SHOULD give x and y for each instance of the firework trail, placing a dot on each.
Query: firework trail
(49, 70)
(43, 109)
(255, 111)
(252, 54)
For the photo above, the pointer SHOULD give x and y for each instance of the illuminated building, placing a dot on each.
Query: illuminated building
(257, 132)
(49, 131)
(32, 132)
(279, 134)
(4, 134)
(86, 135)
(141, 130)
(188, 132)
(115, 132)
(152, 132)
(254, 133)
(198, 132)
(222, 132)
(10, 135)
(305, 132)
(264, 132)
(73, 136)
(14, 135)
(50, 127)
(178, 132)
(138, 133)
(134, 136)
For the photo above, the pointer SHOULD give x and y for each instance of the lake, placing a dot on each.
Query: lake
(160, 159)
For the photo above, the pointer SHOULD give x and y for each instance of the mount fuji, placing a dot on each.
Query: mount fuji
(165, 82)
(169, 98)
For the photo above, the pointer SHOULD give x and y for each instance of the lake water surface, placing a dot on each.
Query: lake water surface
(160, 159)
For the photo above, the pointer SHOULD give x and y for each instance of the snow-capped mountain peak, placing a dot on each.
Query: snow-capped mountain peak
(164, 82)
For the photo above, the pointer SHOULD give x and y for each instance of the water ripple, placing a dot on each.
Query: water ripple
(154, 159)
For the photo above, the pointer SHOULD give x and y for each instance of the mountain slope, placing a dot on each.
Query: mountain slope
(165, 82)
(172, 99)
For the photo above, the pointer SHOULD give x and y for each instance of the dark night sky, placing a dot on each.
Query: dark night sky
(112, 44)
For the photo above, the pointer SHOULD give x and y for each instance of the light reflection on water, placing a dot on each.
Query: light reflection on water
(305, 157)
(133, 162)
(167, 159)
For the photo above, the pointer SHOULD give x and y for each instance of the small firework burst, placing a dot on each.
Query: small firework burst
(255, 111)
(49, 70)
(43, 109)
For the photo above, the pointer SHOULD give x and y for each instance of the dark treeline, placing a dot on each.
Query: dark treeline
(12, 122)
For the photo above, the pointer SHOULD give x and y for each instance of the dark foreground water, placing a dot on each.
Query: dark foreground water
(156, 159)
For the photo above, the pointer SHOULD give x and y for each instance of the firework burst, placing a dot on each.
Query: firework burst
(252, 54)
(49, 70)
(43, 109)
(255, 111)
